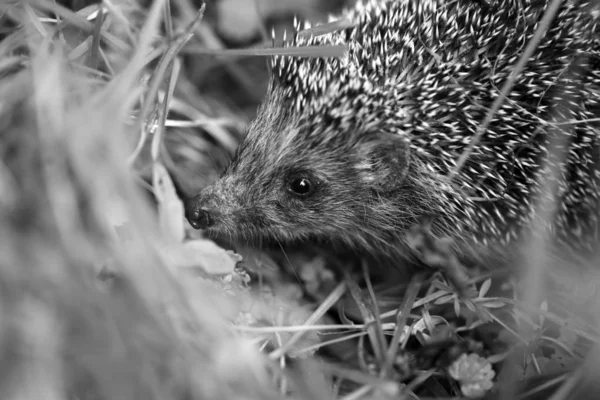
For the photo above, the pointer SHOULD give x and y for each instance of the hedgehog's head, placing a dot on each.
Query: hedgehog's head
(334, 171)
(327, 158)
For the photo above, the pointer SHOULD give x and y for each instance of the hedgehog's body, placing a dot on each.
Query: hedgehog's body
(357, 150)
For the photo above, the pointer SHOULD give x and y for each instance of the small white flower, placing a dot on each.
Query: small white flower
(474, 373)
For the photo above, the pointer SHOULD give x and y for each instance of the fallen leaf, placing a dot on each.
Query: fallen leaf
(203, 254)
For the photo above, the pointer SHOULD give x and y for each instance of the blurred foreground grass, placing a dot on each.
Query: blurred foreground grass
(104, 294)
(91, 307)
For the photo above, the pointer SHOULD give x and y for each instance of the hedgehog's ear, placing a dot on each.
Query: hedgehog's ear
(383, 161)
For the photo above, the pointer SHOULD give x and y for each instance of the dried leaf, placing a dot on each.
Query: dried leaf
(204, 255)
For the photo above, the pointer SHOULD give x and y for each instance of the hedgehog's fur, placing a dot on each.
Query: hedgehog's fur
(382, 127)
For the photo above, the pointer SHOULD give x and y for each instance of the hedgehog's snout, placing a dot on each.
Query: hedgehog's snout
(201, 211)
(199, 218)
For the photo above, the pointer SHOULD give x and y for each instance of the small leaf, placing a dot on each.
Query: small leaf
(485, 287)
(457, 306)
(496, 358)
(444, 299)
(421, 324)
(494, 304)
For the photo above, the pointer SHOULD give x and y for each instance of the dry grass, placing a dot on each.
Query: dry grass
(105, 295)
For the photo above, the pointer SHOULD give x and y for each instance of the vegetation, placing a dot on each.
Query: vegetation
(110, 112)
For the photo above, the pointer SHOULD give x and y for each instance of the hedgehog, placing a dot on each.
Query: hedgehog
(355, 151)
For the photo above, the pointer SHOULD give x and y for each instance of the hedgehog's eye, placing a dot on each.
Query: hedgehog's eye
(301, 186)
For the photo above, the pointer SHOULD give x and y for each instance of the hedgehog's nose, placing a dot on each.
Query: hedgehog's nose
(199, 214)
(200, 219)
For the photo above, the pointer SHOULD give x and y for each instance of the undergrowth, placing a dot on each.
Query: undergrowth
(112, 112)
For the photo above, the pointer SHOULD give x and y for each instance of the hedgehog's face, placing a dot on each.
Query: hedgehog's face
(282, 186)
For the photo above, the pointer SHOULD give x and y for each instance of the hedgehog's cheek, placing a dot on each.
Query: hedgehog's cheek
(383, 161)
